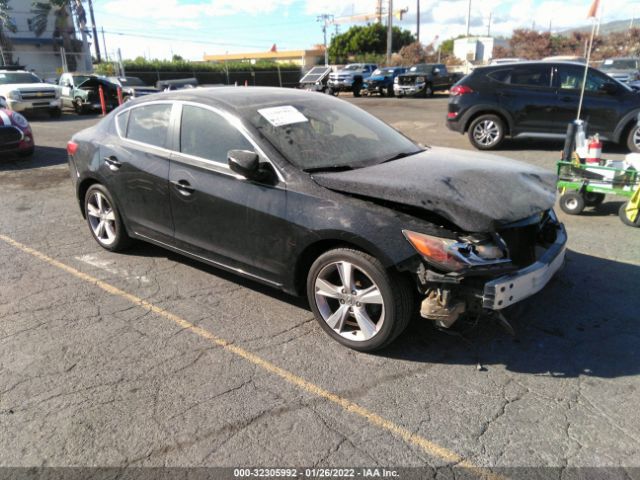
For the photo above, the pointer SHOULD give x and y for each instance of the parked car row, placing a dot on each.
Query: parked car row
(362, 78)
(25, 92)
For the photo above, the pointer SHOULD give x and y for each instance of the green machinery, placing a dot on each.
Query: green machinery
(586, 184)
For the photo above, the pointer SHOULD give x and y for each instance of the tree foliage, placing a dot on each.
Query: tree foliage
(369, 39)
(534, 45)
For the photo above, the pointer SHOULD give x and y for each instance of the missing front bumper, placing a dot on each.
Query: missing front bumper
(514, 287)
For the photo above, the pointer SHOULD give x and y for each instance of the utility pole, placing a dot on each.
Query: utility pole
(120, 65)
(418, 20)
(489, 25)
(4, 62)
(325, 19)
(389, 32)
(104, 44)
(468, 17)
(379, 12)
(95, 32)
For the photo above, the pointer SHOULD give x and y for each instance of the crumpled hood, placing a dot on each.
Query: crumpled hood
(476, 191)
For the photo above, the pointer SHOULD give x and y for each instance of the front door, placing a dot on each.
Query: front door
(135, 165)
(219, 215)
(599, 108)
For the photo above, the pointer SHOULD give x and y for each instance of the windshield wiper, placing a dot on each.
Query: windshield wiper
(329, 168)
(401, 155)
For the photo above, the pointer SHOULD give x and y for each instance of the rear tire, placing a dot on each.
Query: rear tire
(486, 132)
(104, 220)
(626, 220)
(633, 139)
(593, 199)
(357, 301)
(572, 203)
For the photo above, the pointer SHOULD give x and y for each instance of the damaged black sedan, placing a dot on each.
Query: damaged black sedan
(314, 196)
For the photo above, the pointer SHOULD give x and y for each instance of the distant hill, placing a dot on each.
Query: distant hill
(605, 28)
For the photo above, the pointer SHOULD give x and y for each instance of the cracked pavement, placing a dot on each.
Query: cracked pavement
(88, 379)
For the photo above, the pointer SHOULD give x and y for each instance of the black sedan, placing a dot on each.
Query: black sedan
(310, 194)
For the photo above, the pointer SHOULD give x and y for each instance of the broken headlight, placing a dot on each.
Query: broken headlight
(467, 251)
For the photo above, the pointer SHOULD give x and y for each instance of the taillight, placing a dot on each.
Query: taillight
(452, 115)
(460, 90)
(72, 147)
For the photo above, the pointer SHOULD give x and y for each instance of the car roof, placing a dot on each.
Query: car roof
(528, 62)
(232, 98)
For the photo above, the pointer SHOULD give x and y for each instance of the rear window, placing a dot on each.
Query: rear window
(532, 76)
(500, 75)
(149, 124)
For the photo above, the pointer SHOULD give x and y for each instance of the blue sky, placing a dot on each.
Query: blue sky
(191, 28)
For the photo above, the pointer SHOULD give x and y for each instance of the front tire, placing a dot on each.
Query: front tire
(55, 113)
(357, 301)
(486, 132)
(572, 203)
(78, 105)
(428, 91)
(104, 220)
(27, 153)
(633, 139)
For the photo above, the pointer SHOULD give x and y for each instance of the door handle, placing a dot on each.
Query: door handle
(183, 187)
(113, 163)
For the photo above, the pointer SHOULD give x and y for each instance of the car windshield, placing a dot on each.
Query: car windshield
(619, 65)
(353, 67)
(319, 133)
(383, 72)
(80, 79)
(8, 78)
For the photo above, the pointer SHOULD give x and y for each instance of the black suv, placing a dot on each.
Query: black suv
(539, 99)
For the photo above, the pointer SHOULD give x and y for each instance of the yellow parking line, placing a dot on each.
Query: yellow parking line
(409, 437)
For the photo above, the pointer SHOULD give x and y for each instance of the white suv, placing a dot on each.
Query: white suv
(24, 92)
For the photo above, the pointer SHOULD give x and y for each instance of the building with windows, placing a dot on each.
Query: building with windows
(38, 37)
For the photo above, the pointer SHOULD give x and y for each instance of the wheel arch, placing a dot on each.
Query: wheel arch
(313, 250)
(83, 187)
(480, 110)
(625, 125)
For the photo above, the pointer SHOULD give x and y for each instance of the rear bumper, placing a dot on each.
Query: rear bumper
(514, 287)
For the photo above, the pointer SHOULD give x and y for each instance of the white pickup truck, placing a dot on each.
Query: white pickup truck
(24, 92)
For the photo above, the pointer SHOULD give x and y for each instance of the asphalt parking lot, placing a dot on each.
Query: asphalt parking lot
(150, 359)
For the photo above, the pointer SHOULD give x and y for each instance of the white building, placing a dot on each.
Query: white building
(476, 49)
(40, 53)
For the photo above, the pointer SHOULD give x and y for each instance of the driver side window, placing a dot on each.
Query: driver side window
(205, 134)
(570, 78)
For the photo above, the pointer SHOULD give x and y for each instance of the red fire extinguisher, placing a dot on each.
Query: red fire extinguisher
(594, 152)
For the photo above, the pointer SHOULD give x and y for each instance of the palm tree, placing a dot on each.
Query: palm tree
(6, 25)
(64, 29)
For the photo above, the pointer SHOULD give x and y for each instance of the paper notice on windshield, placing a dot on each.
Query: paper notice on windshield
(279, 116)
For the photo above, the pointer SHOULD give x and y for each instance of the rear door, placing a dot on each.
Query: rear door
(135, 166)
(600, 109)
(528, 94)
(219, 215)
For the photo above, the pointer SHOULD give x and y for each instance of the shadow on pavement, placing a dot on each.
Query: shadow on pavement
(550, 145)
(586, 322)
(43, 157)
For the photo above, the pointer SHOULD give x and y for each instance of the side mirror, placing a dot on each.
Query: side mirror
(245, 163)
(3, 103)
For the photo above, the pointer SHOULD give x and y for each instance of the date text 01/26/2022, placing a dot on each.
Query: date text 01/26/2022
(315, 473)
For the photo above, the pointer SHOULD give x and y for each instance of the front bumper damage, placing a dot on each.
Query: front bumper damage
(448, 296)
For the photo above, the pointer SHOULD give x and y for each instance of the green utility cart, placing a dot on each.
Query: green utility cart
(585, 185)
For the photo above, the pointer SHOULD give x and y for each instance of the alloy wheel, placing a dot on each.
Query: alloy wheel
(636, 138)
(349, 301)
(486, 133)
(102, 218)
